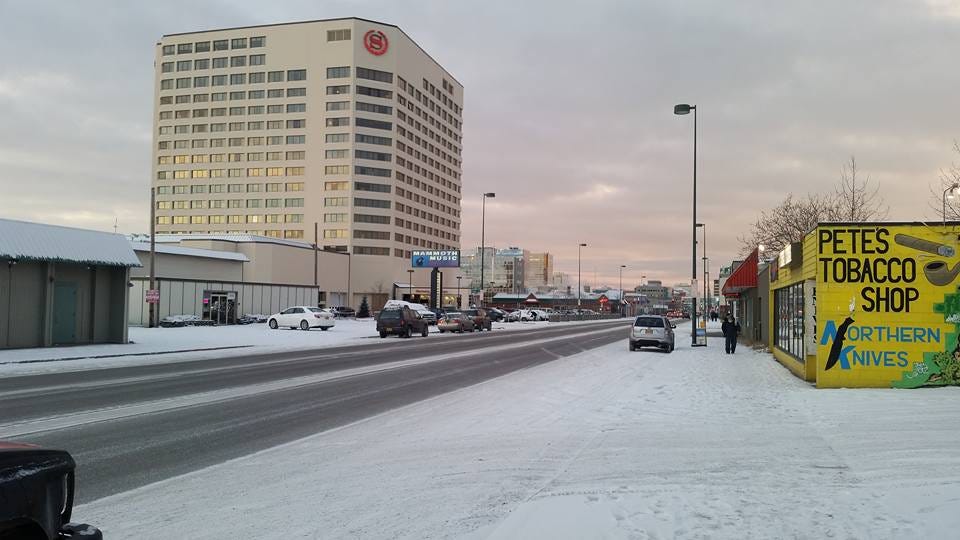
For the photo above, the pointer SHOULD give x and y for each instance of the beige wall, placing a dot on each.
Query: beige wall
(170, 265)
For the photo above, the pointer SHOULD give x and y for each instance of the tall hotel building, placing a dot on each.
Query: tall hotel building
(346, 123)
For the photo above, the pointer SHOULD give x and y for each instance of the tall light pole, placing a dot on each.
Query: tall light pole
(483, 247)
(579, 288)
(622, 266)
(949, 193)
(704, 259)
(681, 109)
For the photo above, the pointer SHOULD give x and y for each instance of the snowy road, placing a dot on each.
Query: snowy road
(601, 444)
(129, 426)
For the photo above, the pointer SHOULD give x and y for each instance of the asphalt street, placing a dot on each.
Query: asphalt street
(130, 426)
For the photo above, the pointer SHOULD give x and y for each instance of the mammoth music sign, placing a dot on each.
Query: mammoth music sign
(887, 305)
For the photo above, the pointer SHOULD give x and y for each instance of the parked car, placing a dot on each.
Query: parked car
(37, 492)
(542, 315)
(302, 317)
(481, 318)
(525, 315)
(455, 321)
(652, 331)
(423, 310)
(496, 314)
(402, 321)
(343, 311)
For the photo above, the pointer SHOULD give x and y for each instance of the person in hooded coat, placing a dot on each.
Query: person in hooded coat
(730, 329)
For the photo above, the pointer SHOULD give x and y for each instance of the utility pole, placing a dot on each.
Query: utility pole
(152, 323)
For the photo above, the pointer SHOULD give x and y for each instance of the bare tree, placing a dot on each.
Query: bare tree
(787, 223)
(948, 177)
(854, 200)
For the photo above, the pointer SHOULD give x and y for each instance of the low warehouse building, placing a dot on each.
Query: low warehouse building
(223, 277)
(62, 286)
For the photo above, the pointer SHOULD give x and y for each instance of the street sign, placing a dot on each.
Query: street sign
(701, 337)
(152, 296)
(435, 259)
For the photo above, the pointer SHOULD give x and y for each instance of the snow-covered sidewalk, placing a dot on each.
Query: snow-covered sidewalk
(605, 444)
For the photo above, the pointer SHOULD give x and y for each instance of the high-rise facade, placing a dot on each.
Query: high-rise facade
(343, 123)
(539, 269)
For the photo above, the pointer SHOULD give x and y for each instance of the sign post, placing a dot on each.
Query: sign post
(152, 296)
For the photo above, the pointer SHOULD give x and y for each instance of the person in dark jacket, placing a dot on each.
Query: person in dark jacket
(730, 329)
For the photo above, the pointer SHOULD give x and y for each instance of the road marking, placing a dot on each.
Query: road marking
(58, 422)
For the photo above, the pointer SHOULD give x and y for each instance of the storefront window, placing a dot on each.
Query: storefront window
(788, 320)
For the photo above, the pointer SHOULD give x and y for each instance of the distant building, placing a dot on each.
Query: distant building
(657, 297)
(538, 269)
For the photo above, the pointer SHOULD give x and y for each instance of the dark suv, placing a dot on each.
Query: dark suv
(36, 495)
(480, 318)
(402, 321)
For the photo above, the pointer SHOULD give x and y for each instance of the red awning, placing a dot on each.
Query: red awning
(744, 277)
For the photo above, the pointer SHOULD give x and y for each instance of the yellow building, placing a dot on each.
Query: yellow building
(869, 305)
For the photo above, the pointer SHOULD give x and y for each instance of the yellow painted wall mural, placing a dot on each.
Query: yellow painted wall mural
(887, 306)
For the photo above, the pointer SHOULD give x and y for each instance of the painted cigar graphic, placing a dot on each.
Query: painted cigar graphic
(920, 244)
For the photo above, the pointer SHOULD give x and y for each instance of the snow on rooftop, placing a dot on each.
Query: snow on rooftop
(41, 242)
(190, 252)
(174, 238)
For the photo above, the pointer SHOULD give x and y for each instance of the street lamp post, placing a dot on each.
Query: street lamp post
(949, 193)
(579, 287)
(622, 266)
(483, 247)
(680, 110)
(410, 286)
(459, 300)
(704, 259)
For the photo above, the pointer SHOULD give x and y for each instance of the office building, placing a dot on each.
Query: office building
(345, 125)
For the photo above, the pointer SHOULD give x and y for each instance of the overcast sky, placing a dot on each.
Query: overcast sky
(568, 111)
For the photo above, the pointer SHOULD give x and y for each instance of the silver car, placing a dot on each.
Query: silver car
(652, 331)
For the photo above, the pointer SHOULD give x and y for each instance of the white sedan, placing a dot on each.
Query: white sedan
(302, 317)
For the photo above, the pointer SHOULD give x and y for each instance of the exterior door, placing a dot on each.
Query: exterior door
(64, 313)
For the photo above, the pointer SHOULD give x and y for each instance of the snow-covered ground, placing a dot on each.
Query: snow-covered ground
(605, 444)
(157, 345)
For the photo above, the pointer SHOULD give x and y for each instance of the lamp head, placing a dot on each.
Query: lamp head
(683, 108)
(490, 195)
(583, 245)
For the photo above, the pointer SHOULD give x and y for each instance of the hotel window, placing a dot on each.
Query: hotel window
(274, 187)
(258, 78)
(337, 90)
(253, 203)
(163, 190)
(296, 75)
(166, 84)
(218, 80)
(163, 145)
(216, 188)
(164, 205)
(221, 62)
(371, 139)
(235, 188)
(371, 235)
(179, 190)
(217, 220)
(184, 65)
(293, 218)
(254, 156)
(198, 220)
(203, 63)
(336, 201)
(376, 156)
(335, 233)
(166, 115)
(296, 139)
(274, 109)
(338, 72)
(376, 124)
(183, 82)
(296, 92)
(234, 203)
(294, 186)
(274, 171)
(788, 320)
(255, 109)
(238, 78)
(296, 107)
(293, 203)
(235, 141)
(255, 172)
(371, 203)
(166, 100)
(374, 108)
(218, 96)
(218, 127)
(374, 75)
(338, 121)
(336, 169)
(374, 92)
(253, 126)
(236, 126)
(364, 250)
(238, 95)
(200, 158)
(372, 171)
(366, 186)
(253, 188)
(338, 105)
(335, 218)
(198, 205)
(342, 34)
(275, 93)
(336, 186)
(236, 111)
(337, 154)
(180, 220)
(166, 67)
(338, 137)
(185, 48)
(200, 113)
(234, 219)
(274, 140)
(258, 59)
(274, 156)
(200, 174)
(258, 41)
(295, 171)
(275, 76)
(293, 234)
(255, 94)
(202, 188)
(238, 43)
(238, 61)
(220, 45)
(272, 203)
(300, 154)
(201, 46)
(168, 50)
(372, 218)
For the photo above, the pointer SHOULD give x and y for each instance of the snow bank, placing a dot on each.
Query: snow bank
(604, 444)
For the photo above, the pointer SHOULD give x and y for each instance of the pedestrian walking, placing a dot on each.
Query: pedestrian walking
(730, 329)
